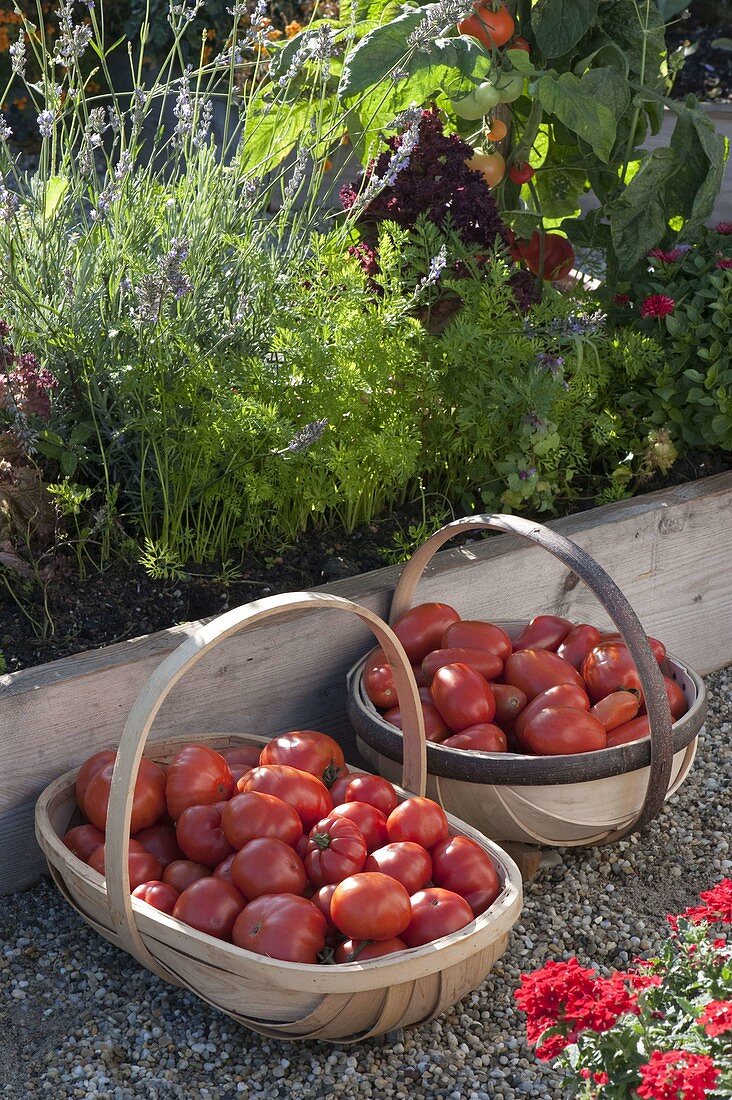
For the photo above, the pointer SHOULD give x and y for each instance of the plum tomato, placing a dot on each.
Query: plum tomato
(148, 803)
(407, 862)
(420, 629)
(556, 731)
(197, 776)
(161, 895)
(83, 840)
(474, 634)
(182, 872)
(308, 751)
(634, 730)
(143, 866)
(435, 912)
(657, 648)
(336, 849)
(676, 698)
(211, 905)
(201, 836)
(483, 738)
(578, 643)
(509, 702)
(487, 664)
(268, 866)
(363, 950)
(285, 926)
(373, 789)
(417, 819)
(616, 709)
(378, 680)
(435, 727)
(461, 865)
(543, 632)
(307, 795)
(370, 906)
(370, 821)
(462, 697)
(161, 841)
(561, 695)
(247, 816)
(535, 670)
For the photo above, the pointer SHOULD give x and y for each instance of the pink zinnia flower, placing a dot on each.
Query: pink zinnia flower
(725, 264)
(724, 227)
(657, 305)
(666, 257)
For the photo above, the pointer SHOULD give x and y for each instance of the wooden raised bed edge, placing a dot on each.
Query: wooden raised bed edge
(670, 552)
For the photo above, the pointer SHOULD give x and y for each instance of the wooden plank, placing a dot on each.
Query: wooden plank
(670, 552)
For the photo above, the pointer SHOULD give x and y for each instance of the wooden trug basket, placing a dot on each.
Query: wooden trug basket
(563, 801)
(343, 1003)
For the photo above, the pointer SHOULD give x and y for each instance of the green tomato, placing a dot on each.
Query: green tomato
(510, 86)
(478, 102)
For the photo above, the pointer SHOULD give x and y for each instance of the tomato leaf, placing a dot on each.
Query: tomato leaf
(608, 86)
(638, 218)
(701, 155)
(558, 25)
(569, 100)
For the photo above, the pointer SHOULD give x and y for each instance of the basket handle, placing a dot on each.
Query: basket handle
(159, 686)
(617, 607)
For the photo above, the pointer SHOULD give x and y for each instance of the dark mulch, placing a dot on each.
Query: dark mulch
(124, 602)
(707, 71)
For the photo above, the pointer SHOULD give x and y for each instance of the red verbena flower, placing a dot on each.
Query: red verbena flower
(657, 305)
(716, 1018)
(724, 227)
(717, 905)
(621, 299)
(677, 1075)
(725, 263)
(666, 257)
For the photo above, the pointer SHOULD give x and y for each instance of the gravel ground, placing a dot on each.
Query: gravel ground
(80, 1019)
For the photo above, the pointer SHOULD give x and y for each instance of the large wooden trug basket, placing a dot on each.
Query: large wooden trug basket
(586, 798)
(344, 1003)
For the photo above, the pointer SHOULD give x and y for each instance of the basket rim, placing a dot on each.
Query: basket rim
(337, 978)
(515, 768)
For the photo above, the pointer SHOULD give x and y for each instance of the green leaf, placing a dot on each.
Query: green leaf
(376, 55)
(700, 153)
(670, 8)
(521, 61)
(56, 188)
(609, 88)
(722, 43)
(68, 463)
(567, 99)
(638, 218)
(377, 11)
(271, 132)
(558, 25)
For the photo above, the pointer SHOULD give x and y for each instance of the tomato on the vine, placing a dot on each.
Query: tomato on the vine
(521, 172)
(558, 255)
(336, 849)
(520, 43)
(490, 25)
(496, 131)
(492, 167)
(308, 751)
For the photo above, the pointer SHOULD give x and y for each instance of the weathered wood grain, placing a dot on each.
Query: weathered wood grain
(670, 552)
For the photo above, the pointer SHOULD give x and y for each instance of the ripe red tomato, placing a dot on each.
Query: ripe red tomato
(197, 776)
(378, 680)
(435, 913)
(492, 28)
(676, 698)
(247, 755)
(322, 898)
(616, 709)
(520, 44)
(657, 648)
(578, 643)
(268, 866)
(308, 751)
(556, 731)
(521, 172)
(484, 738)
(284, 927)
(83, 840)
(509, 702)
(558, 255)
(149, 799)
(223, 869)
(363, 950)
(336, 849)
(161, 895)
(161, 842)
(561, 695)
(370, 822)
(634, 730)
(373, 789)
(420, 630)
(247, 816)
(182, 872)
(536, 670)
(301, 790)
(462, 697)
(407, 862)
(201, 836)
(435, 728)
(487, 664)
(543, 632)
(211, 905)
(339, 788)
(370, 907)
(417, 819)
(461, 865)
(474, 634)
(142, 866)
(89, 769)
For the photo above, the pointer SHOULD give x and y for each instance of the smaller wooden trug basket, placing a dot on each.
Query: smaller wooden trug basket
(344, 1003)
(570, 800)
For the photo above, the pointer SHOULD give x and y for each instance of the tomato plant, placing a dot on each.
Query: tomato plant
(556, 731)
(285, 927)
(370, 907)
(420, 629)
(407, 862)
(370, 821)
(197, 776)
(373, 789)
(496, 131)
(301, 790)
(268, 866)
(161, 895)
(548, 254)
(491, 25)
(201, 836)
(483, 738)
(521, 172)
(462, 697)
(148, 803)
(336, 849)
(536, 670)
(474, 634)
(247, 816)
(461, 865)
(417, 819)
(435, 912)
(307, 750)
(211, 905)
(182, 872)
(492, 166)
(487, 664)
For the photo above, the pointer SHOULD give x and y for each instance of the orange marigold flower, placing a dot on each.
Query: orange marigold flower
(293, 28)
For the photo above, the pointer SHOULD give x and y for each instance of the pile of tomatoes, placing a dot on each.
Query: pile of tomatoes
(286, 853)
(558, 688)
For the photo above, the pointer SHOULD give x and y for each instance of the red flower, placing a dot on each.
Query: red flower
(666, 257)
(657, 305)
(677, 1075)
(621, 300)
(640, 981)
(602, 1079)
(725, 263)
(717, 907)
(724, 227)
(720, 943)
(717, 1017)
